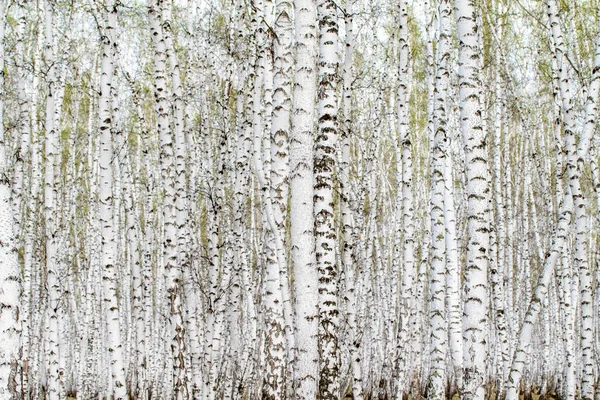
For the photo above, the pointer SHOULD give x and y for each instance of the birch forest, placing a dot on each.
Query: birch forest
(299, 199)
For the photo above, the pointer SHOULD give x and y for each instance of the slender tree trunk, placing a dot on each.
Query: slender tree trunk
(106, 209)
(138, 290)
(55, 378)
(523, 346)
(10, 279)
(409, 274)
(497, 269)
(564, 281)
(31, 180)
(180, 384)
(453, 273)
(325, 230)
(475, 316)
(301, 211)
(437, 275)
(280, 131)
(275, 346)
(348, 227)
(172, 161)
(574, 165)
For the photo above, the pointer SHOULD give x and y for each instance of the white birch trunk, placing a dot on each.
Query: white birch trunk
(325, 230)
(106, 209)
(498, 266)
(180, 384)
(171, 165)
(525, 336)
(564, 284)
(280, 131)
(301, 211)
(574, 165)
(475, 316)
(10, 279)
(55, 381)
(409, 273)
(275, 345)
(138, 285)
(348, 226)
(438, 327)
(453, 275)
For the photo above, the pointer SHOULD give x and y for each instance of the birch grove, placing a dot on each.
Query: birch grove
(307, 199)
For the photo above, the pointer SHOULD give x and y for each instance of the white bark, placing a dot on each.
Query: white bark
(106, 209)
(525, 336)
(499, 262)
(453, 275)
(275, 346)
(172, 161)
(475, 316)
(497, 268)
(180, 384)
(10, 279)
(437, 276)
(137, 353)
(55, 381)
(564, 284)
(325, 230)
(28, 309)
(301, 211)
(574, 165)
(348, 227)
(280, 131)
(409, 274)
(241, 191)
(438, 327)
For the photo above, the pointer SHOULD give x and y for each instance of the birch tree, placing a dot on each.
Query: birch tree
(409, 274)
(573, 165)
(181, 208)
(106, 209)
(172, 160)
(437, 278)
(53, 271)
(280, 131)
(325, 232)
(306, 372)
(10, 289)
(347, 196)
(475, 315)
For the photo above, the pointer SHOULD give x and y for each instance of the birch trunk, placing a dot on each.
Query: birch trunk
(574, 165)
(27, 311)
(106, 209)
(437, 275)
(280, 131)
(275, 346)
(453, 275)
(497, 268)
(55, 382)
(564, 284)
(301, 211)
(10, 279)
(173, 192)
(325, 230)
(475, 316)
(525, 335)
(409, 273)
(348, 227)
(138, 291)
(178, 348)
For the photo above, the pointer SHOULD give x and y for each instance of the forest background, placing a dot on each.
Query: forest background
(275, 199)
